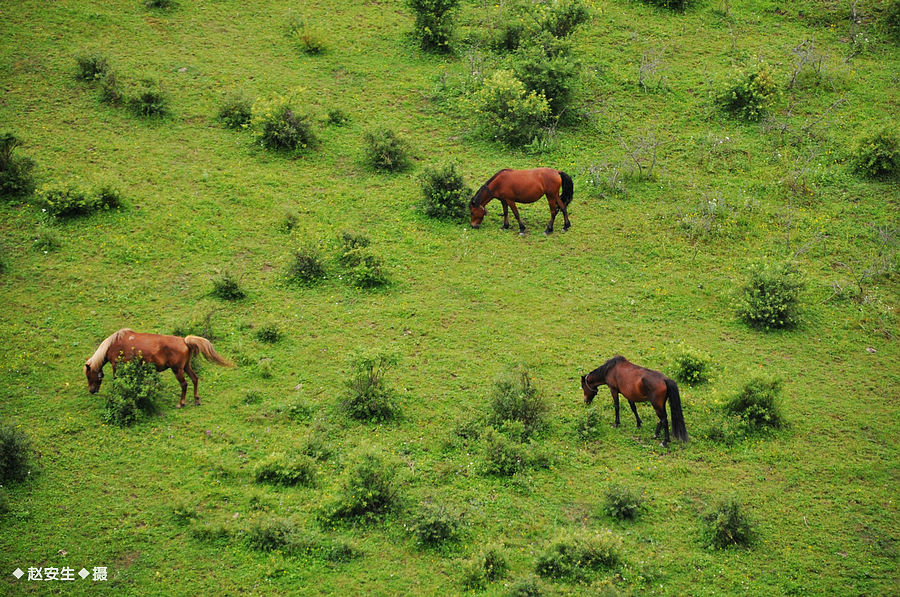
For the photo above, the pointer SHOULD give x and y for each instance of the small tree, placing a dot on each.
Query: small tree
(434, 23)
(133, 392)
(878, 155)
(749, 94)
(771, 296)
(446, 194)
(511, 114)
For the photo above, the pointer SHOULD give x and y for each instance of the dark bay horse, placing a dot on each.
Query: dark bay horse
(524, 186)
(638, 385)
(165, 352)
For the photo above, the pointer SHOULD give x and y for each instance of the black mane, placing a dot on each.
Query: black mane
(475, 202)
(603, 369)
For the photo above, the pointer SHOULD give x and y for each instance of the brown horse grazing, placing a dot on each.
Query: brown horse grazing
(524, 186)
(638, 385)
(165, 352)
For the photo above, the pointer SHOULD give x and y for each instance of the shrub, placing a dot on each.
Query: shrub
(446, 194)
(749, 94)
(486, 567)
(434, 525)
(268, 333)
(622, 502)
(367, 397)
(338, 117)
(509, 36)
(878, 156)
(133, 392)
(307, 267)
(209, 531)
(386, 151)
(690, 366)
(315, 445)
(563, 16)
(16, 177)
(108, 197)
(771, 296)
(589, 425)
(502, 456)
(369, 491)
(289, 220)
(149, 100)
(546, 67)
(889, 21)
(511, 114)
(236, 110)
(15, 455)
(227, 288)
(279, 126)
(361, 267)
(757, 404)
(515, 398)
(578, 554)
(726, 525)
(46, 239)
(676, 5)
(251, 396)
(526, 587)
(434, 23)
(269, 533)
(4, 502)
(280, 469)
(110, 91)
(307, 38)
(91, 67)
(70, 200)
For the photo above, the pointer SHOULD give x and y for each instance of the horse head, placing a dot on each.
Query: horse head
(95, 378)
(589, 392)
(477, 212)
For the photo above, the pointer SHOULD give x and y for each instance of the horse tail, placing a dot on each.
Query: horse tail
(203, 346)
(568, 188)
(678, 428)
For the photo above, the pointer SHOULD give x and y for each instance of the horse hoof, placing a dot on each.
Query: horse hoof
(196, 403)
(179, 406)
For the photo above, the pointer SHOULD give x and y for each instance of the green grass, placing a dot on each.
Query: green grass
(463, 306)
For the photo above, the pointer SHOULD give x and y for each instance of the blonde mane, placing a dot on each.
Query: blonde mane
(99, 357)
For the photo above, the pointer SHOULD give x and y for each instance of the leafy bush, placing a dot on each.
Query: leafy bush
(511, 114)
(280, 469)
(268, 533)
(110, 91)
(369, 491)
(149, 100)
(236, 110)
(227, 288)
(46, 239)
(578, 554)
(279, 126)
(434, 23)
(338, 117)
(289, 220)
(771, 296)
(16, 178)
(486, 567)
(367, 397)
(446, 194)
(133, 392)
(15, 454)
(546, 67)
(108, 197)
(268, 333)
(622, 502)
(434, 525)
(878, 155)
(91, 67)
(563, 16)
(749, 94)
(726, 525)
(676, 5)
(526, 587)
(889, 21)
(4, 502)
(315, 445)
(515, 398)
(509, 36)
(209, 531)
(757, 404)
(502, 456)
(589, 425)
(386, 151)
(362, 268)
(690, 366)
(70, 200)
(307, 267)
(251, 396)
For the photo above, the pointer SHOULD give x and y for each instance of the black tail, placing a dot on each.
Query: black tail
(568, 189)
(674, 398)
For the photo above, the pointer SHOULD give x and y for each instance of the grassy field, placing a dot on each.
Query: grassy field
(636, 275)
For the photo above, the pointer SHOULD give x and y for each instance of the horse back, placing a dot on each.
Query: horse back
(163, 351)
(526, 186)
(638, 383)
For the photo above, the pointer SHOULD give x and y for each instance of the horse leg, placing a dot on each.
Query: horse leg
(565, 211)
(515, 210)
(663, 422)
(505, 215)
(193, 376)
(179, 375)
(615, 397)
(552, 203)
(634, 410)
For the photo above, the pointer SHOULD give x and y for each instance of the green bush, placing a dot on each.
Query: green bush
(91, 67)
(546, 67)
(749, 95)
(277, 125)
(563, 16)
(771, 296)
(515, 398)
(289, 220)
(338, 117)
(268, 333)
(236, 110)
(503, 456)
(209, 531)
(878, 155)
(757, 404)
(445, 192)
(110, 90)
(16, 178)
(268, 533)
(315, 445)
(133, 393)
(526, 587)
(369, 491)
(488, 566)
(622, 502)
(46, 238)
(434, 23)
(676, 5)
(4, 502)
(149, 100)
(509, 112)
(889, 21)
(108, 197)
(434, 525)
(579, 554)
(307, 38)
(307, 266)
(71, 200)
(386, 151)
(280, 469)
(15, 455)
(726, 525)
(589, 425)
(367, 396)
(690, 366)
(509, 36)
(361, 268)
(227, 288)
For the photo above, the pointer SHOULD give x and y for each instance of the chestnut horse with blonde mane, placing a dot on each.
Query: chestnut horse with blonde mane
(638, 384)
(524, 186)
(164, 352)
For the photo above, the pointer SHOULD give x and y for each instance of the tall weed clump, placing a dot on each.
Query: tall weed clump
(435, 525)
(280, 469)
(758, 404)
(369, 491)
(770, 299)
(15, 454)
(133, 392)
(279, 126)
(562, 17)
(434, 23)
(445, 193)
(727, 525)
(508, 111)
(387, 151)
(362, 268)
(878, 156)
(307, 266)
(149, 100)
(749, 94)
(307, 38)
(16, 178)
(367, 396)
(622, 502)
(674, 5)
(236, 110)
(70, 200)
(578, 555)
(516, 398)
(487, 566)
(91, 67)
(227, 288)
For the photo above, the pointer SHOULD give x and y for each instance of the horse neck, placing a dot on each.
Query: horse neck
(595, 378)
(483, 196)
